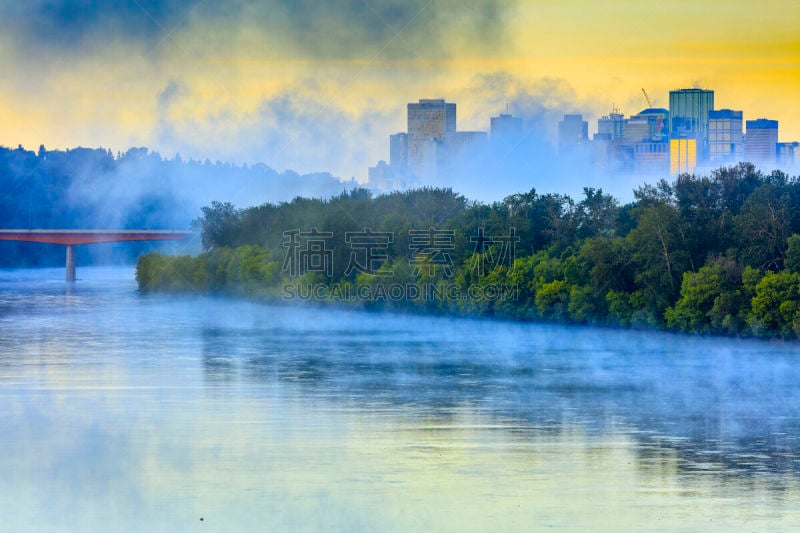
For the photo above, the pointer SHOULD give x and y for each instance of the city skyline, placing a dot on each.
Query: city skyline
(312, 87)
(690, 136)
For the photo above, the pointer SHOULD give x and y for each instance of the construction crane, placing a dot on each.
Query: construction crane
(650, 106)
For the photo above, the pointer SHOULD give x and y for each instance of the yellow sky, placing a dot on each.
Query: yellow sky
(114, 90)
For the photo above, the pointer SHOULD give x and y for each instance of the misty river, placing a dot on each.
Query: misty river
(124, 411)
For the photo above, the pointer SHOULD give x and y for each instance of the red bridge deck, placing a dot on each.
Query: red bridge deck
(72, 237)
(89, 236)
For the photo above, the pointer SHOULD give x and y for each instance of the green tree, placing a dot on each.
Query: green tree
(776, 305)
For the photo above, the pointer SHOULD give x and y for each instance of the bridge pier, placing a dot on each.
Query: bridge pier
(72, 237)
(70, 263)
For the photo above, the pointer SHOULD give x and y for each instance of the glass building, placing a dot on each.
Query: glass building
(688, 110)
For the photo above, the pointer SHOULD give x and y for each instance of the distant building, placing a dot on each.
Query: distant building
(380, 176)
(456, 142)
(572, 131)
(611, 127)
(505, 127)
(398, 151)
(682, 156)
(659, 120)
(600, 150)
(725, 139)
(428, 121)
(651, 157)
(788, 154)
(688, 110)
(761, 141)
(621, 156)
(431, 155)
(637, 129)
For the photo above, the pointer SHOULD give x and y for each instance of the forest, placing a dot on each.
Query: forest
(716, 254)
(94, 188)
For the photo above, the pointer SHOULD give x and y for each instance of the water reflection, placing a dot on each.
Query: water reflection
(261, 416)
(725, 407)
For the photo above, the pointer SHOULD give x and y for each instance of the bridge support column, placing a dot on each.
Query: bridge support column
(70, 264)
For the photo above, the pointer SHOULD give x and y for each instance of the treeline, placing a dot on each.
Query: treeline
(87, 188)
(716, 254)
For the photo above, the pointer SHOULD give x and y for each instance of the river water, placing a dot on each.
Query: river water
(130, 412)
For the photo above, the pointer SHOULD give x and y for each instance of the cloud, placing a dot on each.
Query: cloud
(341, 29)
(541, 103)
(76, 24)
(300, 128)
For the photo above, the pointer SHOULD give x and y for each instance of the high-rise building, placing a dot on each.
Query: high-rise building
(761, 141)
(682, 156)
(611, 126)
(688, 111)
(788, 155)
(398, 150)
(428, 121)
(572, 131)
(506, 127)
(725, 140)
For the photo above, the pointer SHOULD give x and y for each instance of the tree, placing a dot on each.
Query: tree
(711, 299)
(792, 262)
(220, 224)
(776, 305)
(763, 226)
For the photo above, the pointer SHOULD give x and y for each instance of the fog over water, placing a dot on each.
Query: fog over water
(150, 412)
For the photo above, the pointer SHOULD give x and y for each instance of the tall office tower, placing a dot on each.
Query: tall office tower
(398, 150)
(505, 127)
(761, 141)
(611, 126)
(572, 131)
(688, 111)
(428, 121)
(725, 140)
(682, 156)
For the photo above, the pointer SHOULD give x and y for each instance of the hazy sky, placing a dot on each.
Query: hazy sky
(317, 86)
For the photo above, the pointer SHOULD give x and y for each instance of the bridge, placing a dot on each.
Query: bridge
(73, 237)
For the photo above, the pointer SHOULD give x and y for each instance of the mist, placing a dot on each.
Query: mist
(296, 404)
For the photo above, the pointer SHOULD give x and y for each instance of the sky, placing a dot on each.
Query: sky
(318, 86)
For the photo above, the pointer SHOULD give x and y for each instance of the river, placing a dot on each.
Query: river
(131, 412)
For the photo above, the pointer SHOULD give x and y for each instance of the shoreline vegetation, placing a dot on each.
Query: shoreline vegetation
(717, 254)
